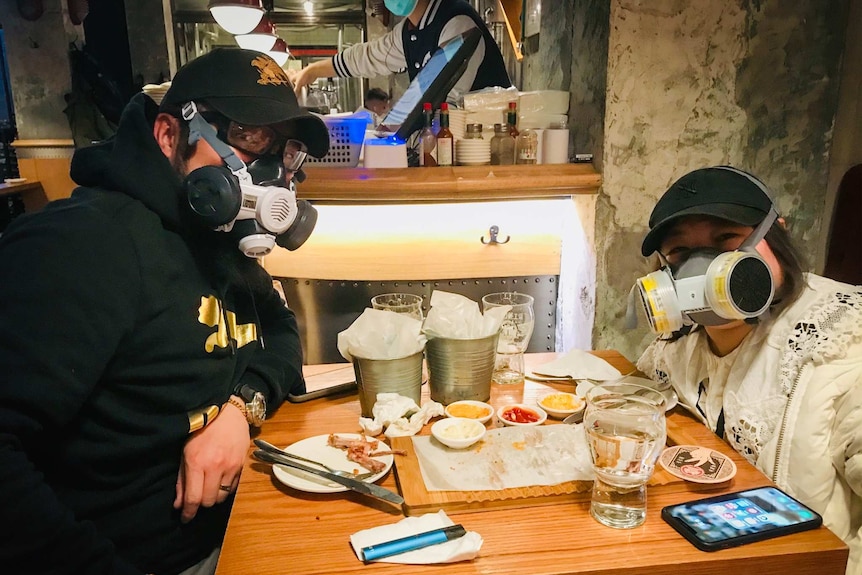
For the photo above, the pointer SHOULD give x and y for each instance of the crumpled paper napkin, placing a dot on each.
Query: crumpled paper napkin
(390, 412)
(578, 364)
(380, 334)
(458, 317)
(462, 549)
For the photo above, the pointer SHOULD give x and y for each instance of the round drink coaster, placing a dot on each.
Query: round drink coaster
(697, 464)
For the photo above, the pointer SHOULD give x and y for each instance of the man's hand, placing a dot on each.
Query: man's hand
(212, 462)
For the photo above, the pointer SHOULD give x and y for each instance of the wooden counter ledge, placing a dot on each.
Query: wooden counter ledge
(459, 183)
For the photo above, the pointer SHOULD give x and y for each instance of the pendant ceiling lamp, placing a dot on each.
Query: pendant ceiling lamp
(262, 38)
(279, 52)
(236, 16)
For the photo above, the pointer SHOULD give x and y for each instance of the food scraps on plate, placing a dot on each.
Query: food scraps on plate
(360, 450)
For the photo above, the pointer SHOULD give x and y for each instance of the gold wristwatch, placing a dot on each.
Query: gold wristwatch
(251, 403)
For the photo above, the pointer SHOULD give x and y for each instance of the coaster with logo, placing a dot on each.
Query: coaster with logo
(697, 464)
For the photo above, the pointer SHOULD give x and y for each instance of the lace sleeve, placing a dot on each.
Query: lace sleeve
(825, 333)
(652, 364)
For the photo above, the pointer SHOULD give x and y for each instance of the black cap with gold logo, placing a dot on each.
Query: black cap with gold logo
(250, 88)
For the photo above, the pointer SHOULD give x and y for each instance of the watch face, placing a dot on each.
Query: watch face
(257, 409)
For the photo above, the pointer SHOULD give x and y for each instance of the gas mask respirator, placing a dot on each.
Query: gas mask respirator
(708, 288)
(254, 203)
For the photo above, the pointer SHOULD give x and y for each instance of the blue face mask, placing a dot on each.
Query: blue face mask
(400, 7)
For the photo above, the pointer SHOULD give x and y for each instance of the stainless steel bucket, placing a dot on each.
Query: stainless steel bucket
(402, 376)
(461, 368)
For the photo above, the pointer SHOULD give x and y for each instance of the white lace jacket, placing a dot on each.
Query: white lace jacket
(791, 399)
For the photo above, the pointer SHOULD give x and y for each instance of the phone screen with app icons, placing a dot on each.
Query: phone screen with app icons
(742, 517)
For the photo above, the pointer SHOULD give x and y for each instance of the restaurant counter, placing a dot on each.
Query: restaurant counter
(275, 529)
(447, 184)
(435, 223)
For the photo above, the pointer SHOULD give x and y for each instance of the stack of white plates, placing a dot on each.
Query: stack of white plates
(472, 152)
(156, 91)
(458, 123)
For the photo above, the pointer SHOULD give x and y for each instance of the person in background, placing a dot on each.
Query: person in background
(376, 104)
(785, 388)
(426, 25)
(137, 343)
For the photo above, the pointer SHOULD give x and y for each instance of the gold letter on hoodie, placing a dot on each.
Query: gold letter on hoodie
(210, 313)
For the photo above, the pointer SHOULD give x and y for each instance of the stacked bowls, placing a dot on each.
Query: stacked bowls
(458, 123)
(472, 152)
(156, 91)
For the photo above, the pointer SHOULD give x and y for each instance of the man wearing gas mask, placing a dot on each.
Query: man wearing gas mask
(768, 357)
(139, 341)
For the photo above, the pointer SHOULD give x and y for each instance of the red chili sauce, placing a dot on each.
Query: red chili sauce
(520, 415)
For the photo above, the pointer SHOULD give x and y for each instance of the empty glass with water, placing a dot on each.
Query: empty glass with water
(406, 303)
(515, 334)
(626, 432)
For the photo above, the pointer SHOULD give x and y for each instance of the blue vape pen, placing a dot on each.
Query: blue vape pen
(412, 542)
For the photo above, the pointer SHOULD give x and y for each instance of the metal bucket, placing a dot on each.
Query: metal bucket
(402, 376)
(461, 368)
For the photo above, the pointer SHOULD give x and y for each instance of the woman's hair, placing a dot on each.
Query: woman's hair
(792, 265)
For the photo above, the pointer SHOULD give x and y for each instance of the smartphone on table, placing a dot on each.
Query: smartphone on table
(331, 380)
(738, 518)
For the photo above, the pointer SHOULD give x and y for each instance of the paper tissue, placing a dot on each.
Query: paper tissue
(387, 350)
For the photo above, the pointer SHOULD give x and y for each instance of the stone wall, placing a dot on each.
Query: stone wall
(695, 83)
(571, 53)
(148, 41)
(37, 53)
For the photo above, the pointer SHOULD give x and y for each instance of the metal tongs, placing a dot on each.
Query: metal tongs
(357, 486)
(266, 446)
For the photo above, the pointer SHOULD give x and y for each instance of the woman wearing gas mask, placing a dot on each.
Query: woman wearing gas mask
(768, 357)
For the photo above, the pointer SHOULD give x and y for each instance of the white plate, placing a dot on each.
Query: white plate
(316, 448)
(672, 398)
(15, 180)
(669, 393)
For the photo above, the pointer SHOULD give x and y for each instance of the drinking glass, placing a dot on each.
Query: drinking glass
(406, 303)
(626, 432)
(514, 334)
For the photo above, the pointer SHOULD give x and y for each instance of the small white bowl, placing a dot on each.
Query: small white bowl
(470, 409)
(523, 408)
(458, 432)
(561, 404)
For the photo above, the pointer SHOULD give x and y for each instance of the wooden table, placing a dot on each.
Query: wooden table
(31, 192)
(274, 529)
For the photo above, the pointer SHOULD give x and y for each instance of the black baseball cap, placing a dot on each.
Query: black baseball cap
(720, 191)
(248, 87)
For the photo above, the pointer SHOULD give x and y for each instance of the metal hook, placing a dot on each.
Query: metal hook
(493, 233)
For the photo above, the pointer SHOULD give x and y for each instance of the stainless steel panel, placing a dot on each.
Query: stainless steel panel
(325, 307)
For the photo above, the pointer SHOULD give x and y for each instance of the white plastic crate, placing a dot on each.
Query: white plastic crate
(346, 135)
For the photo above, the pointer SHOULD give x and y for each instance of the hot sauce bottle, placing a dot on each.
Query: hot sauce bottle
(445, 139)
(427, 139)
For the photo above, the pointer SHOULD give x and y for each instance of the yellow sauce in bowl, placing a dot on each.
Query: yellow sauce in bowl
(468, 411)
(562, 402)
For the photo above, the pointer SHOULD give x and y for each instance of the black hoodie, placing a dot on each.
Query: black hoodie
(118, 318)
